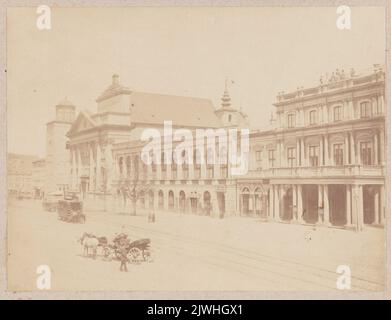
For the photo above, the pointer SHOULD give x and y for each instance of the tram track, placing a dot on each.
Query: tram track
(277, 271)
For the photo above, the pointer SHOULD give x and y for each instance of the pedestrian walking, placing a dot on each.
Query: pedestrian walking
(124, 259)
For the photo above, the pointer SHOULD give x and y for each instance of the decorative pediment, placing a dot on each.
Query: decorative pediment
(82, 122)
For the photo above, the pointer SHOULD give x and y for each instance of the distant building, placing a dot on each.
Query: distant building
(57, 161)
(39, 178)
(19, 174)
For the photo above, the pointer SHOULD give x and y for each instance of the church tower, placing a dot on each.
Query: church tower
(57, 154)
(229, 116)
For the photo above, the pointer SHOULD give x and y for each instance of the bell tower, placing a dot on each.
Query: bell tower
(229, 116)
(57, 154)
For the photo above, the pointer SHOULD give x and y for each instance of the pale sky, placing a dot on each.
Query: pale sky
(181, 51)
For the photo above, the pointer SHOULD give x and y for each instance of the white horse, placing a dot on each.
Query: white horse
(89, 242)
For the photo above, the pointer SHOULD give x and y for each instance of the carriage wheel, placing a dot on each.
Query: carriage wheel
(135, 255)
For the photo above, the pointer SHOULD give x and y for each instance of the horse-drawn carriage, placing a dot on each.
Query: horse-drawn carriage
(71, 210)
(137, 251)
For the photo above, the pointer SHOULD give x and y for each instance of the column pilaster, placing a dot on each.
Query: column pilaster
(348, 205)
(326, 207)
(300, 203)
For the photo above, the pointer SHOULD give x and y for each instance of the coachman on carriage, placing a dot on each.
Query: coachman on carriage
(137, 251)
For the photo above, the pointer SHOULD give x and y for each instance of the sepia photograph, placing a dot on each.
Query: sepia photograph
(195, 149)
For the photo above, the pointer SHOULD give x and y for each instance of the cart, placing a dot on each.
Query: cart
(71, 211)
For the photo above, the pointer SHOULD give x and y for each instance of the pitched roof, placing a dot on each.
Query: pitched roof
(182, 111)
(83, 114)
(114, 89)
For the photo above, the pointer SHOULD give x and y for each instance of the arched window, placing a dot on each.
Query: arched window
(170, 199)
(182, 201)
(161, 200)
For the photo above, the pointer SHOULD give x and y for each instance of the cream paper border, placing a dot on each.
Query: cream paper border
(146, 295)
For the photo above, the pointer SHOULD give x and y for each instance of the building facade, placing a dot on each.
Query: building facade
(105, 146)
(39, 178)
(322, 164)
(19, 174)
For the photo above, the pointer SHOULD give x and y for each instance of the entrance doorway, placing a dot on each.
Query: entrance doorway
(171, 200)
(207, 203)
(245, 203)
(287, 204)
(369, 194)
(310, 203)
(337, 204)
(151, 198)
(182, 201)
(161, 200)
(193, 205)
(221, 201)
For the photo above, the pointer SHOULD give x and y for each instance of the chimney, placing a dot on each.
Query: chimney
(115, 79)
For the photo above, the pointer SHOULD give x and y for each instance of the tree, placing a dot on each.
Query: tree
(132, 189)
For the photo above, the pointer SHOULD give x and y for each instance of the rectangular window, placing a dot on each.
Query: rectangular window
(128, 166)
(173, 170)
(291, 152)
(366, 153)
(197, 172)
(258, 155)
(185, 171)
(312, 117)
(314, 156)
(272, 158)
(224, 171)
(338, 113)
(365, 109)
(163, 162)
(120, 165)
(210, 171)
(197, 163)
(338, 154)
(291, 120)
